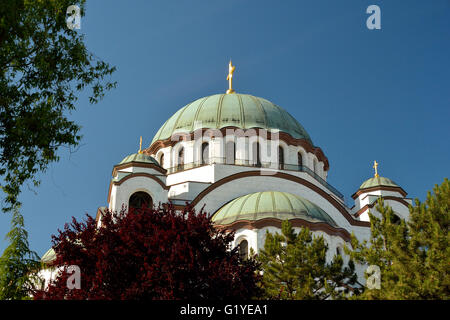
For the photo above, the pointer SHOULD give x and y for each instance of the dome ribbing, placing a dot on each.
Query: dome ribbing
(231, 110)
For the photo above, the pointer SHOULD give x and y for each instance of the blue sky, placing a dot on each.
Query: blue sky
(361, 94)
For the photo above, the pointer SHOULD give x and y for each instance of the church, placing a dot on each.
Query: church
(250, 165)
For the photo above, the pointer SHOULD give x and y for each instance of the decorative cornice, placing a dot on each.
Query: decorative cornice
(305, 144)
(141, 174)
(133, 175)
(371, 205)
(385, 188)
(273, 222)
(139, 165)
(285, 176)
(188, 181)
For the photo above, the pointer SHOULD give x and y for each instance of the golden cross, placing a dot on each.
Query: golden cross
(375, 166)
(231, 69)
(140, 145)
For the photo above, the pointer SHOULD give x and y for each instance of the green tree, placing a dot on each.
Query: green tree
(414, 255)
(43, 65)
(18, 264)
(294, 267)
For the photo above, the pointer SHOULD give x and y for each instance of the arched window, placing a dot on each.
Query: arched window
(280, 158)
(338, 251)
(243, 250)
(205, 152)
(395, 219)
(256, 154)
(315, 166)
(230, 152)
(139, 199)
(180, 158)
(161, 160)
(300, 159)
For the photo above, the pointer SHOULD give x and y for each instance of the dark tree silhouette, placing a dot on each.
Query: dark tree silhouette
(151, 253)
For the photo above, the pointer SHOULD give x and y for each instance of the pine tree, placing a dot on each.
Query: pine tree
(18, 264)
(414, 255)
(430, 246)
(294, 267)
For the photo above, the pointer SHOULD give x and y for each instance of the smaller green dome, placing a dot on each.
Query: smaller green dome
(377, 182)
(49, 256)
(139, 157)
(270, 204)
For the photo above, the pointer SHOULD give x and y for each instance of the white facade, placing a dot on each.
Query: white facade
(366, 201)
(188, 162)
(215, 178)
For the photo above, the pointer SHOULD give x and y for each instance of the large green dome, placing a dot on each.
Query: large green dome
(270, 204)
(238, 110)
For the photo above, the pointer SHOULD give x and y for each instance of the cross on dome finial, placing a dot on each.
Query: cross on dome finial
(140, 146)
(375, 166)
(231, 69)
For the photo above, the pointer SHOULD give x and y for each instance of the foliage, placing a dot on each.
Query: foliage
(151, 254)
(18, 264)
(414, 255)
(294, 267)
(43, 64)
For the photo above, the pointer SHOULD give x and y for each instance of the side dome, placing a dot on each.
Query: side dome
(243, 111)
(49, 256)
(270, 204)
(378, 182)
(139, 157)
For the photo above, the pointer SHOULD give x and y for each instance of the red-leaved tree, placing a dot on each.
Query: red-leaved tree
(151, 254)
